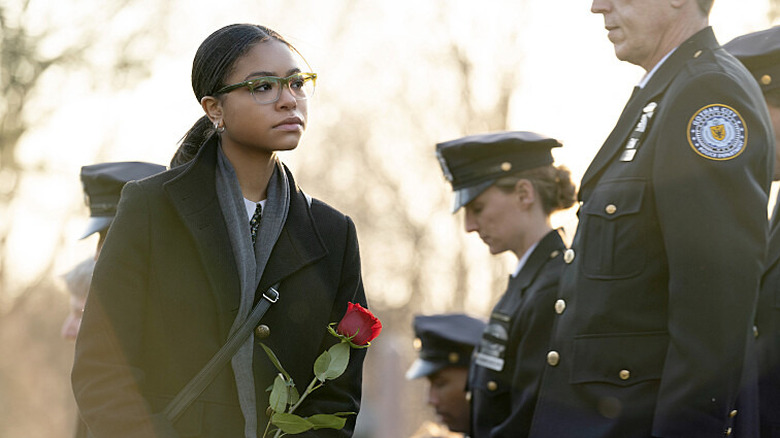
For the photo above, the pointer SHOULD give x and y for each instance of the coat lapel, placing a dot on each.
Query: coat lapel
(546, 250)
(193, 194)
(652, 92)
(299, 244)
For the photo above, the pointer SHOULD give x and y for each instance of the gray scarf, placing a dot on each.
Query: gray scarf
(251, 262)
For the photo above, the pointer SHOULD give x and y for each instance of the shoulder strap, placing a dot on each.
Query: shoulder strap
(198, 384)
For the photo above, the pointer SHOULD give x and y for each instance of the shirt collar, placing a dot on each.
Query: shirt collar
(650, 74)
(524, 259)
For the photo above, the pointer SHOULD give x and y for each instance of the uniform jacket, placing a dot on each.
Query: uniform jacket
(662, 277)
(768, 338)
(505, 375)
(166, 291)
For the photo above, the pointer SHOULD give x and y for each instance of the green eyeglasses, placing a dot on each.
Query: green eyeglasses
(267, 89)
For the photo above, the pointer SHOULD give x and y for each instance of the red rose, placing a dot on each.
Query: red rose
(360, 323)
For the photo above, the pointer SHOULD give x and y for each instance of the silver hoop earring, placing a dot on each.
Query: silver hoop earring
(219, 129)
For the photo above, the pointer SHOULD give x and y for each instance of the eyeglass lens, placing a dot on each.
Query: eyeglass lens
(268, 89)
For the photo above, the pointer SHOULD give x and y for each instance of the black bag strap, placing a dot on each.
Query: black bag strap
(198, 384)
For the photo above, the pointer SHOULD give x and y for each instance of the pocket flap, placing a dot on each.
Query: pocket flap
(619, 359)
(616, 198)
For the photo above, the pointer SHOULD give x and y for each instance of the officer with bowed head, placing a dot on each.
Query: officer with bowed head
(508, 186)
(760, 53)
(445, 344)
(102, 184)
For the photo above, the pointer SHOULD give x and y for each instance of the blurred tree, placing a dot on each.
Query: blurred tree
(42, 46)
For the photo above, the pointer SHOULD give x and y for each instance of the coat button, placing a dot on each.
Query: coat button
(506, 166)
(728, 431)
(610, 209)
(766, 79)
(553, 358)
(733, 413)
(492, 386)
(624, 374)
(262, 331)
(560, 306)
(453, 357)
(755, 331)
(568, 256)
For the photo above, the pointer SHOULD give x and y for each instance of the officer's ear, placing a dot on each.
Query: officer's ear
(524, 189)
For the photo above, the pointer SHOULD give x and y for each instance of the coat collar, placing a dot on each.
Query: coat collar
(193, 195)
(548, 248)
(652, 91)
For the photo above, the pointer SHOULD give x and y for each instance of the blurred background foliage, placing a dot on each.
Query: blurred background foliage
(86, 81)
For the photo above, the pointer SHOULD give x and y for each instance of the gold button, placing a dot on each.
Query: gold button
(568, 256)
(262, 331)
(554, 254)
(766, 79)
(553, 358)
(625, 374)
(453, 357)
(728, 431)
(468, 396)
(610, 209)
(733, 413)
(560, 306)
(506, 166)
(755, 331)
(417, 344)
(492, 386)
(697, 54)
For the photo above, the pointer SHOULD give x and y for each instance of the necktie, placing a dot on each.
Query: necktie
(254, 223)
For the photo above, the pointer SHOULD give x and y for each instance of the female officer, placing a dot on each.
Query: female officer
(193, 248)
(509, 187)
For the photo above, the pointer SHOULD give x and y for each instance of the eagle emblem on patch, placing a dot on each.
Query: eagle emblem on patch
(717, 132)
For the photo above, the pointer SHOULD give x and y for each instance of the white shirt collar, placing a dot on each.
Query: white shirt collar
(650, 74)
(251, 206)
(524, 259)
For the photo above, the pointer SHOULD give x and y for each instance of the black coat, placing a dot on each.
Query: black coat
(663, 273)
(504, 377)
(768, 335)
(166, 291)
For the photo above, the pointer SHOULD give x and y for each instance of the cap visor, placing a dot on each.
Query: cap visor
(96, 224)
(422, 368)
(467, 194)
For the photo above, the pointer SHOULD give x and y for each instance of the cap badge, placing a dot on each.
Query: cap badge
(717, 132)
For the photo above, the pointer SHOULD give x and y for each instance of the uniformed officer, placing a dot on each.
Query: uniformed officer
(760, 52)
(662, 276)
(445, 344)
(509, 187)
(102, 184)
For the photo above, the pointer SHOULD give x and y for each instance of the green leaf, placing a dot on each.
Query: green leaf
(279, 395)
(275, 361)
(291, 423)
(321, 366)
(325, 421)
(332, 363)
(339, 359)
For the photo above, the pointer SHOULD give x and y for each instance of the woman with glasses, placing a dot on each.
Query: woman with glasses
(192, 250)
(508, 186)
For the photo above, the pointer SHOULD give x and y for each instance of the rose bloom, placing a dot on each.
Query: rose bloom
(360, 323)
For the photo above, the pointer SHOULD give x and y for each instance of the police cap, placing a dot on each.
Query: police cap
(446, 340)
(472, 164)
(760, 52)
(103, 184)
